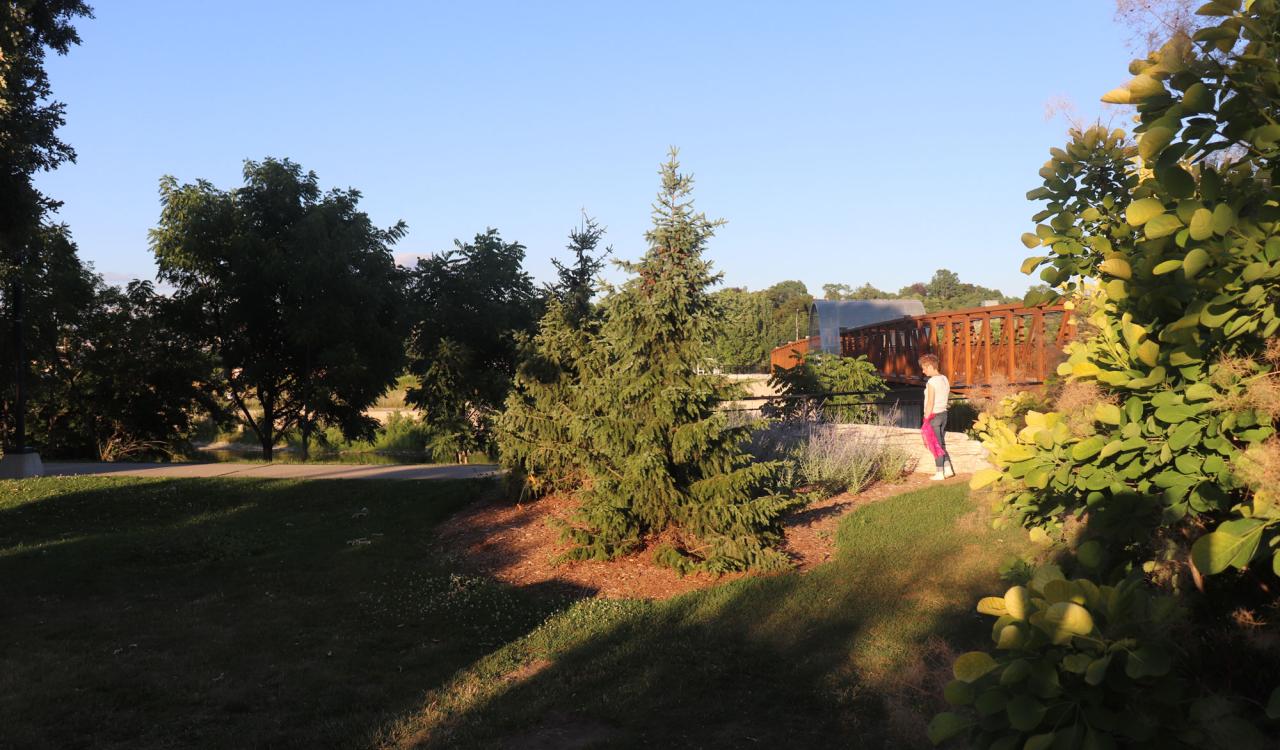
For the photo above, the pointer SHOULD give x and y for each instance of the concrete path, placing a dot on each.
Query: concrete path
(275, 471)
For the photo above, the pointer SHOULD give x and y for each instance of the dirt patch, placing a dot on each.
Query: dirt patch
(515, 544)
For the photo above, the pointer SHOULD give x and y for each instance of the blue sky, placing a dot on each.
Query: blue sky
(843, 142)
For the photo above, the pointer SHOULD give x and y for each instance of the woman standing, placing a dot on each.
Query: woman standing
(937, 392)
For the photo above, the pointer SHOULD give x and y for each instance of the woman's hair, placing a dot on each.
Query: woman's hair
(928, 359)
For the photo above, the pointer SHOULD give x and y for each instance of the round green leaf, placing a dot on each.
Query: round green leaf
(1107, 413)
(973, 665)
(1168, 266)
(946, 725)
(1025, 713)
(1223, 219)
(1154, 141)
(1039, 741)
(1201, 224)
(1087, 448)
(1069, 618)
(992, 605)
(1212, 552)
(958, 693)
(1162, 226)
(1015, 602)
(1030, 240)
(1197, 98)
(1091, 554)
(1148, 352)
(1143, 210)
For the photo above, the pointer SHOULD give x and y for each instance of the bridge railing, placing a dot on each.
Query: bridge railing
(976, 347)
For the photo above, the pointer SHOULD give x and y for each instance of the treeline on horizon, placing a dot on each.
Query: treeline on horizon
(289, 318)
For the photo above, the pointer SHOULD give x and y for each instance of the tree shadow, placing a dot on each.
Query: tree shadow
(792, 660)
(237, 612)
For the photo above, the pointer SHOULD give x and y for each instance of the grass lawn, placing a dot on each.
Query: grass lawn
(242, 613)
(231, 613)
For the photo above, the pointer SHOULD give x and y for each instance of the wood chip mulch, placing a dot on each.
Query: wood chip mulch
(514, 543)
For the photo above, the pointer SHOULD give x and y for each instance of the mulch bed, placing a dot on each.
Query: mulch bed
(514, 543)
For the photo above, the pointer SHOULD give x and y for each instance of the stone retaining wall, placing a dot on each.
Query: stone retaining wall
(967, 454)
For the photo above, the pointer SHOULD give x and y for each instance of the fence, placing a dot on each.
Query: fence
(976, 347)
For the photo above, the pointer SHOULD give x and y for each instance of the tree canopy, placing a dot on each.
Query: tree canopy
(292, 290)
(469, 308)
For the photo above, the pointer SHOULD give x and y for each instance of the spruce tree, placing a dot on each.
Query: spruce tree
(639, 425)
(533, 432)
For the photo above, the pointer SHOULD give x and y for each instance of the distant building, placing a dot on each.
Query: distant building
(828, 317)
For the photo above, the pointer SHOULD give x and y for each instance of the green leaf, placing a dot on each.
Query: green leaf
(1097, 671)
(1218, 550)
(973, 665)
(1087, 448)
(1118, 267)
(1039, 742)
(1177, 181)
(990, 702)
(1091, 554)
(958, 693)
(1147, 661)
(1031, 263)
(1200, 392)
(1025, 713)
(992, 605)
(1223, 219)
(1148, 352)
(1107, 413)
(1067, 619)
(946, 725)
(1143, 210)
(1201, 226)
(1175, 414)
(1168, 266)
(1015, 602)
(983, 477)
(1197, 98)
(1162, 226)
(1154, 141)
(1030, 240)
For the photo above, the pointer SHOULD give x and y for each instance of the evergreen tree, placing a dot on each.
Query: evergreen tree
(533, 433)
(576, 282)
(655, 456)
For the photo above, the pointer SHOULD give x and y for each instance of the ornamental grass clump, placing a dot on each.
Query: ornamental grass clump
(836, 460)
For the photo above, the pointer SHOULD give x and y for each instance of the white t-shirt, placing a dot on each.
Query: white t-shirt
(941, 389)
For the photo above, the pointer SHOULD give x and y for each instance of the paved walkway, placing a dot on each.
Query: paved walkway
(275, 471)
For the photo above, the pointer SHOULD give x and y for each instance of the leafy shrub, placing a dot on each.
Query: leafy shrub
(1075, 665)
(804, 388)
(1170, 250)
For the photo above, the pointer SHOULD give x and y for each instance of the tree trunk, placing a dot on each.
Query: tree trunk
(268, 444)
(306, 428)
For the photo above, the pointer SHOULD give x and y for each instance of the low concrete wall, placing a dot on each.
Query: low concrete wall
(967, 454)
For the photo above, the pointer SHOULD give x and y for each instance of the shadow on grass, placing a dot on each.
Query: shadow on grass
(234, 613)
(851, 653)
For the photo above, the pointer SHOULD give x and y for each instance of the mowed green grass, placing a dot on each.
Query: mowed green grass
(231, 613)
(241, 613)
(852, 654)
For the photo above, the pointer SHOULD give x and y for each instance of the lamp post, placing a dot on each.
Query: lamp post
(20, 461)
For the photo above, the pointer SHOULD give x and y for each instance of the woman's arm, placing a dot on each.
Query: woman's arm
(928, 399)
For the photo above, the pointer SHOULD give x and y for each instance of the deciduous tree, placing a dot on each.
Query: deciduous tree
(292, 290)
